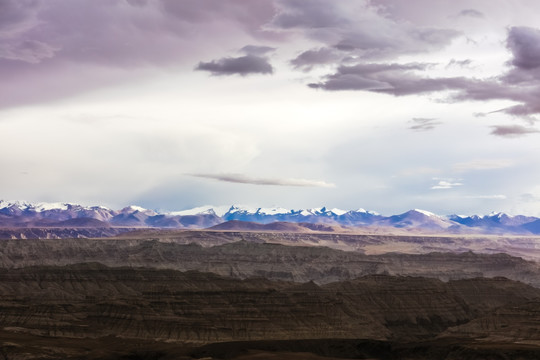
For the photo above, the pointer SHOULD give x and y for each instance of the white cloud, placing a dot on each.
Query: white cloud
(488, 197)
(482, 164)
(445, 184)
(244, 179)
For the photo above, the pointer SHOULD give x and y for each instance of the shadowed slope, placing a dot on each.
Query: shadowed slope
(91, 300)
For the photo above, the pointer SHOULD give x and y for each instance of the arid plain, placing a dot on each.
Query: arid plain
(244, 294)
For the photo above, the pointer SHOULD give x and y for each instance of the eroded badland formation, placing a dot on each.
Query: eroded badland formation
(173, 294)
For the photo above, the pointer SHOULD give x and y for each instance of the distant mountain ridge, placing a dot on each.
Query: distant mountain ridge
(25, 214)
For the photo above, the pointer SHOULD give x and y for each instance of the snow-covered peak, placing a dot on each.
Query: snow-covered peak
(26, 206)
(100, 207)
(4, 204)
(202, 210)
(244, 209)
(250, 210)
(313, 211)
(39, 207)
(18, 204)
(497, 214)
(220, 210)
(338, 212)
(327, 212)
(273, 211)
(192, 212)
(134, 208)
(364, 211)
(50, 206)
(424, 212)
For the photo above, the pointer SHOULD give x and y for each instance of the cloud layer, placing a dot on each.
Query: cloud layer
(243, 179)
(243, 65)
(356, 28)
(445, 184)
(512, 131)
(519, 84)
(379, 95)
(482, 164)
(44, 42)
(471, 12)
(424, 124)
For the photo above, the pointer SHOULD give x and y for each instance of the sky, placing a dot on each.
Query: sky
(386, 105)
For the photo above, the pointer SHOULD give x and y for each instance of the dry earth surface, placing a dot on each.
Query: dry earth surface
(269, 295)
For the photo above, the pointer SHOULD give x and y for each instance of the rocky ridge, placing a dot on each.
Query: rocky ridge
(91, 300)
(58, 215)
(243, 259)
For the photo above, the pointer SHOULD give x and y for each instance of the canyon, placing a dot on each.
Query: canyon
(194, 309)
(177, 294)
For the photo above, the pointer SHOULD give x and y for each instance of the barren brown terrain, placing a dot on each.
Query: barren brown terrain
(264, 295)
(527, 247)
(254, 258)
(92, 301)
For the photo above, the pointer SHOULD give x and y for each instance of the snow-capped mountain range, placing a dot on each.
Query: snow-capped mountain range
(25, 214)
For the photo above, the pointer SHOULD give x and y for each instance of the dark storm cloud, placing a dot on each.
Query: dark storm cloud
(16, 19)
(250, 15)
(310, 58)
(244, 65)
(257, 50)
(243, 179)
(471, 13)
(16, 14)
(43, 43)
(424, 124)
(395, 79)
(459, 63)
(316, 14)
(137, 2)
(524, 43)
(520, 83)
(372, 44)
(512, 130)
(29, 51)
(358, 27)
(362, 31)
